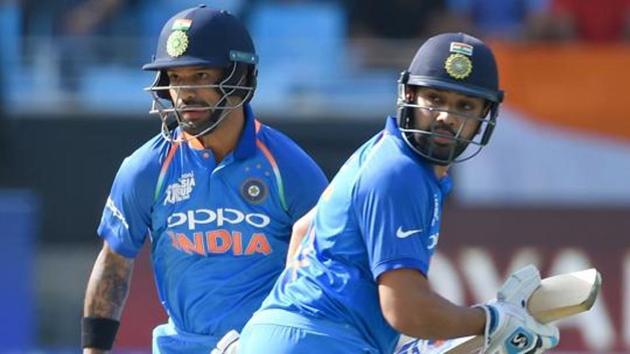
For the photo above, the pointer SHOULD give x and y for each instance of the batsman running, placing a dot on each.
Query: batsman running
(216, 193)
(359, 277)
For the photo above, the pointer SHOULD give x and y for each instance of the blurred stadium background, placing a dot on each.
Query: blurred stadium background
(552, 188)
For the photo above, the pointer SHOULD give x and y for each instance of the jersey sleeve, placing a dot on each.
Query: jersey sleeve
(126, 217)
(303, 181)
(393, 211)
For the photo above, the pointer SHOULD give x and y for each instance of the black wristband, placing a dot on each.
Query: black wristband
(98, 333)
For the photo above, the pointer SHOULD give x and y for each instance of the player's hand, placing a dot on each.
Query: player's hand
(228, 344)
(511, 329)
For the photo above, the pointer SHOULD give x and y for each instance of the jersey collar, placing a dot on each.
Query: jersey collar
(391, 128)
(246, 146)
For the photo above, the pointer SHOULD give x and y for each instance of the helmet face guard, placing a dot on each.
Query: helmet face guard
(421, 140)
(205, 38)
(457, 63)
(233, 85)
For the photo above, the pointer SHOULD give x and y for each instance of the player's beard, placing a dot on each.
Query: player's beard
(196, 122)
(439, 150)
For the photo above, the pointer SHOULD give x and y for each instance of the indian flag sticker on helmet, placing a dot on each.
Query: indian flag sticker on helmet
(458, 66)
(182, 24)
(461, 48)
(177, 43)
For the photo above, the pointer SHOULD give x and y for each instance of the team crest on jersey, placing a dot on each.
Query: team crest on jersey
(254, 190)
(181, 189)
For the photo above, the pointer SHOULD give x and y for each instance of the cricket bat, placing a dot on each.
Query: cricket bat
(557, 297)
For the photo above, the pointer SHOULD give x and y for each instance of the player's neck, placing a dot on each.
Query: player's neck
(224, 137)
(440, 171)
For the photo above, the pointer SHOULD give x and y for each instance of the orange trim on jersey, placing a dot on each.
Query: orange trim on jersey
(276, 171)
(258, 125)
(193, 142)
(165, 164)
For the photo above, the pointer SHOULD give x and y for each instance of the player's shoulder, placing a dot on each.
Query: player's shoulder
(389, 158)
(283, 148)
(146, 161)
(389, 167)
(275, 139)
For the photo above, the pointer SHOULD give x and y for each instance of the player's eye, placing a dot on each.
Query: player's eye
(466, 106)
(204, 77)
(435, 100)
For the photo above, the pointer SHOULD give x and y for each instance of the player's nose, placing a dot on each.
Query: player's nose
(446, 117)
(185, 94)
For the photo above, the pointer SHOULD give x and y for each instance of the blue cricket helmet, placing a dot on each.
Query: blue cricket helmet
(455, 62)
(430, 66)
(213, 38)
(208, 38)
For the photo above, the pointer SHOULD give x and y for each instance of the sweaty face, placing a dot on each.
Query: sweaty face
(450, 120)
(195, 104)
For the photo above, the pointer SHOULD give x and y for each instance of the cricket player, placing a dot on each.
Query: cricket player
(216, 193)
(359, 277)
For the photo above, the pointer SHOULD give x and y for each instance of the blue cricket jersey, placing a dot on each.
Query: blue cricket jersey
(219, 232)
(381, 212)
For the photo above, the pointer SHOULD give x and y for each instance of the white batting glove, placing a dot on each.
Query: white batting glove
(228, 344)
(511, 330)
(509, 326)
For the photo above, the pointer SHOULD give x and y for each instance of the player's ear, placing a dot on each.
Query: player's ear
(234, 100)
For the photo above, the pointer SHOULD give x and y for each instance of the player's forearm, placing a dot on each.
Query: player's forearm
(108, 286)
(411, 307)
(438, 318)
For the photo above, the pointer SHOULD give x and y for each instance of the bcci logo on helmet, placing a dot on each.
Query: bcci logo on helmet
(177, 43)
(458, 66)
